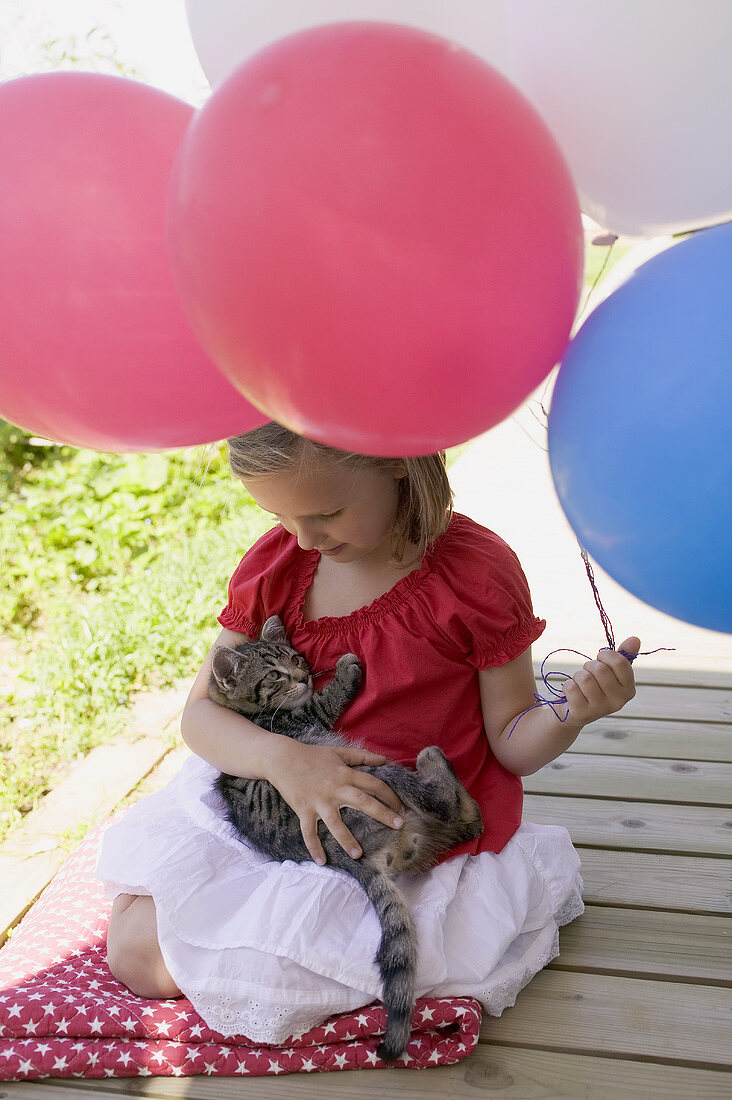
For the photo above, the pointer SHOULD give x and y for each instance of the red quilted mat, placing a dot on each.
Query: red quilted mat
(62, 1014)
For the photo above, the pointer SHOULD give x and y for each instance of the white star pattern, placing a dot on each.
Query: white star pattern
(55, 975)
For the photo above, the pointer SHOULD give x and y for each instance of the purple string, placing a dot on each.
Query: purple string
(559, 696)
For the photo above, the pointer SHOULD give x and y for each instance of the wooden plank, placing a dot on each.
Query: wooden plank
(31, 854)
(644, 943)
(621, 1017)
(645, 675)
(161, 774)
(684, 883)
(620, 735)
(513, 1073)
(642, 826)
(695, 704)
(642, 778)
(681, 703)
(52, 1089)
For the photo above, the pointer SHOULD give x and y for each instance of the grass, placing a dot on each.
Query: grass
(112, 571)
(598, 257)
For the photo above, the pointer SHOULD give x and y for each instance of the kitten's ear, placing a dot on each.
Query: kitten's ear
(225, 667)
(273, 630)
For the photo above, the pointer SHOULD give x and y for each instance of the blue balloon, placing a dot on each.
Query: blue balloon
(640, 432)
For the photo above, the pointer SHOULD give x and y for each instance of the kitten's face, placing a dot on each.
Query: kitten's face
(262, 675)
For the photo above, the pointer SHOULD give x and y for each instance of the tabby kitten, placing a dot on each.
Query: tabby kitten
(270, 683)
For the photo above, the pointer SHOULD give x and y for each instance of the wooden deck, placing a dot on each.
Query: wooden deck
(638, 1003)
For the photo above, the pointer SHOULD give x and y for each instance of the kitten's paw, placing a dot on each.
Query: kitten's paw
(348, 671)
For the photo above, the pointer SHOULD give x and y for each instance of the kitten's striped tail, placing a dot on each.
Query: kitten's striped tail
(396, 956)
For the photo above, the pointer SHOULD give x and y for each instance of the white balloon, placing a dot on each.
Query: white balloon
(225, 32)
(638, 94)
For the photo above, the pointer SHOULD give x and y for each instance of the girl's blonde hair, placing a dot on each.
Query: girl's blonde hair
(425, 498)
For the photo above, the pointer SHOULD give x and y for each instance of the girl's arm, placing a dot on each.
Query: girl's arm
(314, 780)
(600, 688)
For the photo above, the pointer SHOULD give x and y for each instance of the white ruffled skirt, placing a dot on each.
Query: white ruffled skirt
(268, 949)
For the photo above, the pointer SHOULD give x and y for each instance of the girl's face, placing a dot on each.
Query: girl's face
(347, 514)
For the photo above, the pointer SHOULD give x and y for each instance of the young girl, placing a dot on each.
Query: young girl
(366, 557)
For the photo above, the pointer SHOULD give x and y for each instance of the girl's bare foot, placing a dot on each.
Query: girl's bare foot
(133, 952)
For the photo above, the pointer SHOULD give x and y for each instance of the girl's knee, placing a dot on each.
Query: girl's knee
(133, 951)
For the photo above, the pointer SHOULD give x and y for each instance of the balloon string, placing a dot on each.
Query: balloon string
(608, 626)
(559, 696)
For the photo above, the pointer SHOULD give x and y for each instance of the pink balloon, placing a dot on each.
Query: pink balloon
(376, 238)
(95, 349)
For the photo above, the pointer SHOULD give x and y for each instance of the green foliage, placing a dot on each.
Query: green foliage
(599, 259)
(113, 569)
(69, 840)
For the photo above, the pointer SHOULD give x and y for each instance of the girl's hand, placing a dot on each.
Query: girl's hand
(601, 687)
(317, 780)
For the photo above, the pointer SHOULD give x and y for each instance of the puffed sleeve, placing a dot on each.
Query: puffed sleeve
(259, 587)
(489, 614)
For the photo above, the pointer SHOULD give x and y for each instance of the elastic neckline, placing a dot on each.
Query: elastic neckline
(394, 597)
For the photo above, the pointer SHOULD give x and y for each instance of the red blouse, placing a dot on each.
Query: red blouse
(466, 607)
